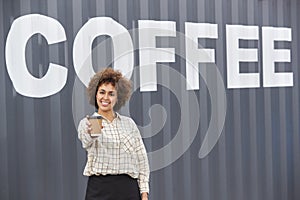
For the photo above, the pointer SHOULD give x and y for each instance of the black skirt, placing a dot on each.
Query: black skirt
(112, 187)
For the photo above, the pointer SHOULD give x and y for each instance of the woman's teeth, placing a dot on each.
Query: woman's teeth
(104, 103)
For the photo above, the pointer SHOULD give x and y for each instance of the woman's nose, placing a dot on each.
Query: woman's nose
(106, 96)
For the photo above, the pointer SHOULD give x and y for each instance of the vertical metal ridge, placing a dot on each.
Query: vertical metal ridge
(295, 173)
(4, 184)
(236, 114)
(269, 193)
(221, 63)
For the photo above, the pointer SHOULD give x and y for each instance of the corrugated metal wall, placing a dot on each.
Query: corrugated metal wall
(256, 157)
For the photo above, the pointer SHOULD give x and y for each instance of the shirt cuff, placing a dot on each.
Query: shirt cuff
(144, 187)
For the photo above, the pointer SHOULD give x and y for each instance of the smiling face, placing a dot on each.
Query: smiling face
(106, 98)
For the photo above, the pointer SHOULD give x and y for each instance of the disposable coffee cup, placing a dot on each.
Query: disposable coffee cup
(96, 125)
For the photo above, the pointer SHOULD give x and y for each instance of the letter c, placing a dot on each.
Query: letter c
(20, 32)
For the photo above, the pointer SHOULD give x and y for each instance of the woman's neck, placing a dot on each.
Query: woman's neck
(110, 115)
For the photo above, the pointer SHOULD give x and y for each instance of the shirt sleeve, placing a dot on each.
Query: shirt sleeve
(143, 164)
(83, 135)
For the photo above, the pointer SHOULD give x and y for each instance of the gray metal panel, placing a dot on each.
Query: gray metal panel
(256, 157)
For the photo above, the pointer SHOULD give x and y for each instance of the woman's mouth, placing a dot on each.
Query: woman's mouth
(103, 103)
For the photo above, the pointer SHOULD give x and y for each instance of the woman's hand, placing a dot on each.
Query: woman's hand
(144, 196)
(88, 126)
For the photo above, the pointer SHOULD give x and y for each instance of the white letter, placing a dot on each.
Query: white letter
(235, 54)
(20, 32)
(270, 56)
(149, 54)
(194, 55)
(82, 48)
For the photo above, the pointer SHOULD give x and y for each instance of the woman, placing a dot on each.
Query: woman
(117, 163)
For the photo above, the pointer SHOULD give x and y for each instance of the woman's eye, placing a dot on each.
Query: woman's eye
(101, 92)
(112, 94)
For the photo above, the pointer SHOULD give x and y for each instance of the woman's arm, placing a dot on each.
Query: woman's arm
(143, 165)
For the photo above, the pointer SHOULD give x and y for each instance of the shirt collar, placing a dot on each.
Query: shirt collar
(118, 116)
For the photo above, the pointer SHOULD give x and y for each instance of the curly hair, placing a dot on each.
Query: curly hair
(108, 75)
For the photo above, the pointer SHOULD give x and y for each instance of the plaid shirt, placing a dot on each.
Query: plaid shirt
(118, 150)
